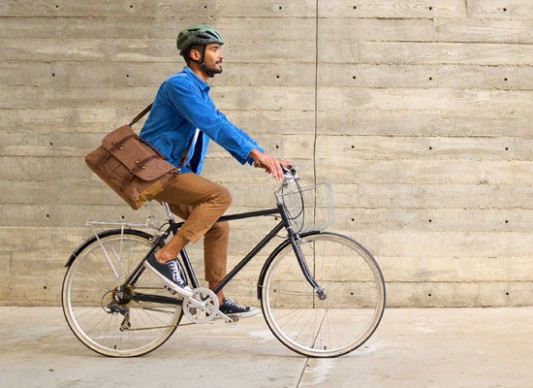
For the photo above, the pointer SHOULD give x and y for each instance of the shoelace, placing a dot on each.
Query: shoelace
(173, 266)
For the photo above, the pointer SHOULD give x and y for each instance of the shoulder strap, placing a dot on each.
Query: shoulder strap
(140, 115)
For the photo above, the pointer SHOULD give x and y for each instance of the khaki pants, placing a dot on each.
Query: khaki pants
(200, 203)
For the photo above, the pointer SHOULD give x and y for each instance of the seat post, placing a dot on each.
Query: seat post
(168, 213)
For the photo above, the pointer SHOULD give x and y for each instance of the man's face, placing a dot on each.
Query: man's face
(213, 57)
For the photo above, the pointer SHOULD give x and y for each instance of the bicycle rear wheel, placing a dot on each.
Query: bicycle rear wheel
(345, 318)
(105, 316)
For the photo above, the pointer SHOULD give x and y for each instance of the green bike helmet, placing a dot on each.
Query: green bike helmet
(200, 34)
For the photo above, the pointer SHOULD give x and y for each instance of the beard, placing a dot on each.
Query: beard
(216, 69)
(211, 71)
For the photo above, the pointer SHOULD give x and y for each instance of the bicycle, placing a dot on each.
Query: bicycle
(321, 293)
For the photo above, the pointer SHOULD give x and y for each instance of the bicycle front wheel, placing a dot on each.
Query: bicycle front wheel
(108, 317)
(354, 298)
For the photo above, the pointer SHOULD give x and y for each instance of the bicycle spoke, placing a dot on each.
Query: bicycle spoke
(108, 318)
(352, 307)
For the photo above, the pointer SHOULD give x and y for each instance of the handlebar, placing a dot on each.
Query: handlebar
(290, 172)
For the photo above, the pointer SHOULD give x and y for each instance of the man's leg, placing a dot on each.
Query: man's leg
(201, 216)
(216, 255)
(199, 202)
(215, 248)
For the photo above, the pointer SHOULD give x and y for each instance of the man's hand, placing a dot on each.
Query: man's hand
(270, 163)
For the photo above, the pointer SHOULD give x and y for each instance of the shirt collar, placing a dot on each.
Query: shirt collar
(204, 86)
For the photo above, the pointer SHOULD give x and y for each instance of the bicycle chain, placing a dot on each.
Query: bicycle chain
(158, 327)
(126, 324)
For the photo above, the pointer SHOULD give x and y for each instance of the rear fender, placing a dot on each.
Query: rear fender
(93, 239)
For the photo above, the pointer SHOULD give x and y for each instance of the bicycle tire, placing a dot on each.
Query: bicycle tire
(351, 310)
(89, 298)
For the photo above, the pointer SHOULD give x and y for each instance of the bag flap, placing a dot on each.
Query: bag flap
(141, 159)
(117, 136)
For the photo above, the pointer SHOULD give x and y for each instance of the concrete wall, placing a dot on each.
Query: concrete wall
(419, 112)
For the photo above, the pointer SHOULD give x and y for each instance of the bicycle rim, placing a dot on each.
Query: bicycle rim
(354, 303)
(123, 328)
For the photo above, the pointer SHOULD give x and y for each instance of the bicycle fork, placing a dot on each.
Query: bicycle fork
(320, 292)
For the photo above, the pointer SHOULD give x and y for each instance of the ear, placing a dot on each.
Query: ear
(195, 55)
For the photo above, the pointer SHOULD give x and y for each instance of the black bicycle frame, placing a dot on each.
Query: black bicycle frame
(255, 250)
(173, 228)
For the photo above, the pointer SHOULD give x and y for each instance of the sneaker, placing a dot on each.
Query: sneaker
(171, 273)
(235, 310)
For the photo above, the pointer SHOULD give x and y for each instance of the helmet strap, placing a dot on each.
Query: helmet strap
(209, 73)
(202, 64)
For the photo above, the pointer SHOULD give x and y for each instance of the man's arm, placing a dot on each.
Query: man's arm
(202, 113)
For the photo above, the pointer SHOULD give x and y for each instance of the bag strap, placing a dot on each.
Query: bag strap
(135, 119)
(140, 115)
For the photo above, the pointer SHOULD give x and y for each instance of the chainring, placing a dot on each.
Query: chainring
(202, 306)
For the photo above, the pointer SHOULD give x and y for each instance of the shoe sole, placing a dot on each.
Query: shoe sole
(247, 314)
(179, 290)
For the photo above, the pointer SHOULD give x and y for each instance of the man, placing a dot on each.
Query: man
(182, 121)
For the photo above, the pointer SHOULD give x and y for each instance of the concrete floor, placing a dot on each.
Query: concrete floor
(411, 348)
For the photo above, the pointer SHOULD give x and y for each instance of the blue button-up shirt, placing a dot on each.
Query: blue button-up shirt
(182, 105)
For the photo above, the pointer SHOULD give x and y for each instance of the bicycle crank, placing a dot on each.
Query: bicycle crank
(202, 307)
